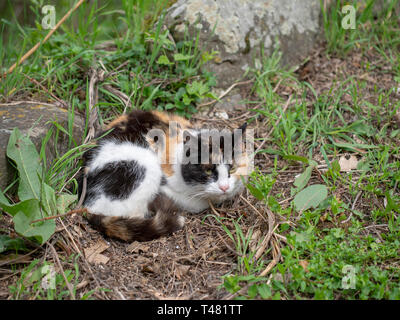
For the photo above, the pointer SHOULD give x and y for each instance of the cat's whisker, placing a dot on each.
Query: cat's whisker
(200, 195)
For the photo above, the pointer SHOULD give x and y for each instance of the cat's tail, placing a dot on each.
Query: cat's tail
(165, 221)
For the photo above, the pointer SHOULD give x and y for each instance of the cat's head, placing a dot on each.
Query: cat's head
(215, 163)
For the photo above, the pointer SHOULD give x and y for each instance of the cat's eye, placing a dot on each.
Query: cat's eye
(232, 170)
(209, 172)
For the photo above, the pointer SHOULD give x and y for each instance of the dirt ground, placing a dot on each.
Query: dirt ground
(190, 263)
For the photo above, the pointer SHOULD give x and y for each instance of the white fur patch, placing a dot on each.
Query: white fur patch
(136, 204)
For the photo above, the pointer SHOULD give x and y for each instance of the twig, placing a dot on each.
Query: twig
(37, 45)
(264, 244)
(16, 103)
(81, 210)
(224, 93)
(229, 247)
(60, 101)
(120, 294)
(93, 99)
(352, 207)
(285, 200)
(276, 253)
(83, 257)
(283, 238)
(124, 98)
(12, 261)
(384, 225)
(255, 210)
(62, 271)
(213, 209)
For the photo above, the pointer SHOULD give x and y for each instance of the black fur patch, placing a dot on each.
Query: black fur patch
(198, 173)
(116, 179)
(203, 173)
(133, 129)
(136, 127)
(96, 221)
(163, 181)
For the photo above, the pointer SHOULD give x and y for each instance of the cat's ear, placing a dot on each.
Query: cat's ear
(243, 127)
(239, 132)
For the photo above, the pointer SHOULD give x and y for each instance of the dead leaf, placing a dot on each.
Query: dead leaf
(348, 164)
(147, 268)
(82, 284)
(324, 217)
(181, 270)
(254, 240)
(14, 259)
(304, 265)
(189, 241)
(93, 253)
(305, 71)
(78, 231)
(137, 247)
(64, 247)
(160, 296)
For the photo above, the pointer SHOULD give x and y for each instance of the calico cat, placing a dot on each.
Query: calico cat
(149, 167)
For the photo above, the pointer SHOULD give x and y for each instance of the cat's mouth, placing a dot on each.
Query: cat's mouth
(221, 195)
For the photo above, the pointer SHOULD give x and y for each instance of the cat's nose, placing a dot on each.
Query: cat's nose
(224, 187)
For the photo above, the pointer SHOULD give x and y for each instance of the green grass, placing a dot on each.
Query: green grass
(40, 281)
(148, 67)
(373, 28)
(347, 245)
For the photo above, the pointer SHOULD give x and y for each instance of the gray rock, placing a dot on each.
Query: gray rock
(243, 29)
(231, 103)
(35, 120)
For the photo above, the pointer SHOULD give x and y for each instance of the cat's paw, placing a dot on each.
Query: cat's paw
(180, 222)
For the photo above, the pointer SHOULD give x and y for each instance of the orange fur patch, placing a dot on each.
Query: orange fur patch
(118, 121)
(170, 147)
(166, 118)
(242, 166)
(171, 140)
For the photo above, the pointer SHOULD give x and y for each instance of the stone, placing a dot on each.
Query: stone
(222, 115)
(35, 120)
(231, 103)
(243, 30)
